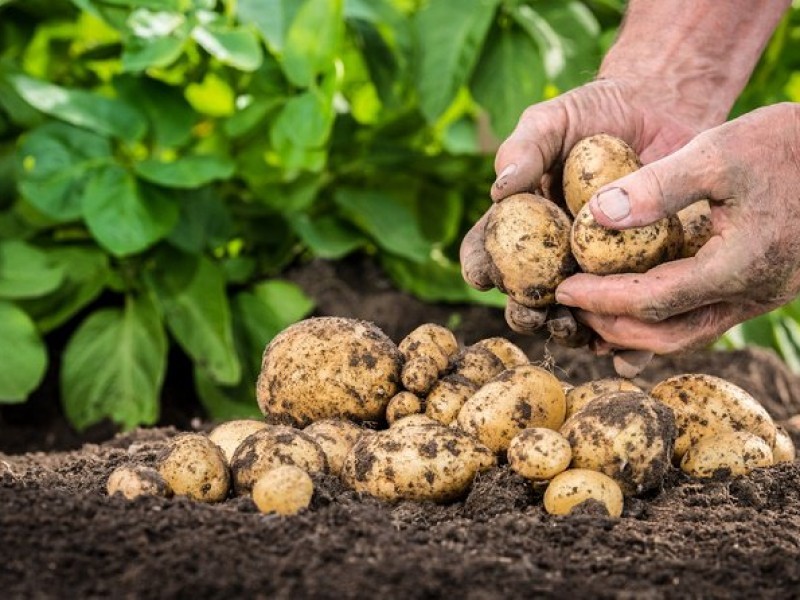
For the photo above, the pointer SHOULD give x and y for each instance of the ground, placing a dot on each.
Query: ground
(61, 536)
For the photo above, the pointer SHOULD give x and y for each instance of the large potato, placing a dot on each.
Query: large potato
(527, 240)
(230, 434)
(519, 398)
(581, 395)
(447, 397)
(194, 466)
(626, 435)
(427, 351)
(415, 462)
(509, 353)
(727, 454)
(705, 405)
(697, 227)
(539, 453)
(335, 437)
(285, 490)
(571, 489)
(328, 367)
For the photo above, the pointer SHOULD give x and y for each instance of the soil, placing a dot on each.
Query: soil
(61, 536)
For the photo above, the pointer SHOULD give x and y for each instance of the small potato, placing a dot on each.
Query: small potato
(509, 353)
(783, 449)
(272, 447)
(194, 466)
(427, 352)
(230, 434)
(447, 397)
(478, 365)
(335, 437)
(539, 454)
(402, 405)
(705, 405)
(285, 490)
(697, 227)
(570, 489)
(135, 481)
(527, 240)
(727, 454)
(581, 395)
(519, 398)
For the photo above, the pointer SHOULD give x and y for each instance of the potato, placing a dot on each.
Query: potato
(335, 437)
(427, 351)
(272, 447)
(230, 434)
(135, 481)
(592, 163)
(727, 454)
(402, 405)
(705, 405)
(328, 367)
(477, 364)
(697, 227)
(527, 240)
(607, 251)
(783, 449)
(194, 466)
(413, 421)
(285, 490)
(447, 397)
(581, 395)
(509, 353)
(539, 453)
(570, 489)
(519, 398)
(415, 462)
(626, 435)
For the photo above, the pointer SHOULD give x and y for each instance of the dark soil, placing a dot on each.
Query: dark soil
(62, 537)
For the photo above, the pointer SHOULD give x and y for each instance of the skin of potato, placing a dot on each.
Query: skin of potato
(571, 488)
(413, 421)
(285, 490)
(402, 405)
(427, 352)
(270, 448)
(447, 397)
(135, 481)
(509, 353)
(783, 449)
(626, 435)
(579, 396)
(697, 227)
(705, 405)
(230, 434)
(477, 364)
(527, 240)
(539, 453)
(416, 462)
(335, 437)
(729, 454)
(517, 399)
(328, 367)
(592, 163)
(194, 466)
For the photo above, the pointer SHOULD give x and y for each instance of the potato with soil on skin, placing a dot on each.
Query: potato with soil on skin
(519, 398)
(194, 466)
(527, 240)
(230, 434)
(137, 480)
(509, 353)
(581, 395)
(285, 490)
(727, 454)
(477, 364)
(539, 453)
(570, 489)
(412, 421)
(427, 352)
(416, 462)
(335, 437)
(783, 449)
(705, 405)
(402, 405)
(447, 397)
(328, 367)
(697, 227)
(270, 448)
(626, 435)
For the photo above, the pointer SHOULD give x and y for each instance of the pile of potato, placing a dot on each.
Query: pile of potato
(420, 420)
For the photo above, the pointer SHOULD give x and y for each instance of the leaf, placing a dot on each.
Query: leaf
(123, 216)
(144, 53)
(312, 40)
(238, 48)
(191, 171)
(226, 402)
(169, 114)
(23, 357)
(26, 271)
(327, 236)
(212, 96)
(450, 34)
(204, 223)
(270, 17)
(85, 109)
(301, 129)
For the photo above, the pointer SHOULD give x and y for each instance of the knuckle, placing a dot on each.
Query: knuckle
(651, 310)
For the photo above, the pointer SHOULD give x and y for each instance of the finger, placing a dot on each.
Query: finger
(475, 261)
(523, 319)
(629, 363)
(565, 329)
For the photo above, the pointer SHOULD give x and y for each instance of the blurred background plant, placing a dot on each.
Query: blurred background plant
(163, 161)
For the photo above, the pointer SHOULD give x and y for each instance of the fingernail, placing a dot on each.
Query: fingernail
(563, 298)
(614, 203)
(502, 179)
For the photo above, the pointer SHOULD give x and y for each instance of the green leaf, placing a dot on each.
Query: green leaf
(212, 96)
(170, 116)
(191, 171)
(23, 357)
(450, 35)
(114, 367)
(440, 214)
(238, 48)
(226, 402)
(312, 40)
(26, 271)
(508, 79)
(302, 128)
(270, 17)
(144, 53)
(123, 216)
(84, 109)
(204, 222)
(327, 236)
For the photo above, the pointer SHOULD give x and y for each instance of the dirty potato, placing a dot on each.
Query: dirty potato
(508, 352)
(285, 490)
(447, 397)
(727, 454)
(427, 352)
(137, 480)
(335, 437)
(539, 453)
(571, 489)
(477, 364)
(697, 227)
(194, 466)
(413, 421)
(579, 396)
(230, 434)
(402, 405)
(783, 449)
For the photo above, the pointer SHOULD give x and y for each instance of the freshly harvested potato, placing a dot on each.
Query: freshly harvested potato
(415, 462)
(705, 405)
(607, 251)
(570, 489)
(579, 396)
(230, 434)
(427, 351)
(194, 466)
(508, 352)
(477, 364)
(697, 227)
(135, 481)
(285, 490)
(626, 435)
(447, 397)
(272, 447)
(519, 398)
(783, 449)
(592, 163)
(402, 405)
(328, 367)
(527, 240)
(335, 437)
(539, 453)
(727, 454)
(413, 421)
